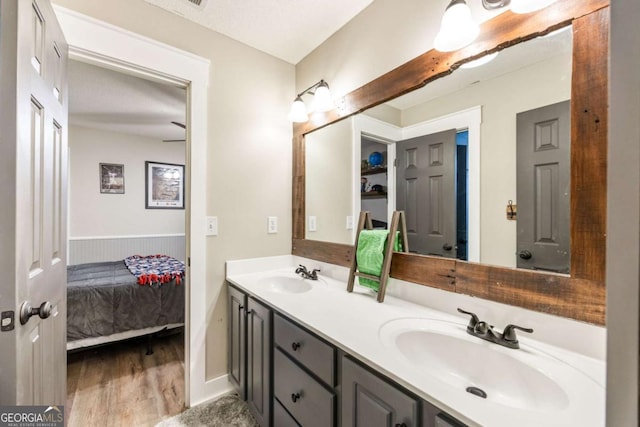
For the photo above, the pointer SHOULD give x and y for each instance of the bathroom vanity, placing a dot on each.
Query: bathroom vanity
(307, 352)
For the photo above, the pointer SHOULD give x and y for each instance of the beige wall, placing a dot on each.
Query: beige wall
(249, 145)
(329, 182)
(385, 35)
(94, 214)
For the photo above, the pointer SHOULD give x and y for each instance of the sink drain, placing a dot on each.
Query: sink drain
(477, 392)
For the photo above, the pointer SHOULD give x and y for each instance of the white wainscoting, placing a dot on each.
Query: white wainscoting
(112, 248)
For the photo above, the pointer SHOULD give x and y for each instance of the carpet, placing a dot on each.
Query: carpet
(228, 411)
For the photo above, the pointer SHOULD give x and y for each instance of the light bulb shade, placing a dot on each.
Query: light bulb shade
(458, 29)
(480, 61)
(528, 6)
(322, 98)
(298, 113)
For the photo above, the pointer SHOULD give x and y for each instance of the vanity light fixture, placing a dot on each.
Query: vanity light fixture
(458, 29)
(322, 101)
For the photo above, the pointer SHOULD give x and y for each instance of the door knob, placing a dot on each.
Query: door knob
(26, 311)
(525, 254)
(447, 247)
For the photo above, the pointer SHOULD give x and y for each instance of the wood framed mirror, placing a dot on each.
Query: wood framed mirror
(579, 295)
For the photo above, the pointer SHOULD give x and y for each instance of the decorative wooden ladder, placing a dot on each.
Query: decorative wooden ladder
(397, 222)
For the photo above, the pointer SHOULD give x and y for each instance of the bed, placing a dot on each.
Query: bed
(106, 303)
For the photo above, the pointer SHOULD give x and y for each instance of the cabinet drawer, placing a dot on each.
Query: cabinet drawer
(305, 398)
(307, 349)
(281, 418)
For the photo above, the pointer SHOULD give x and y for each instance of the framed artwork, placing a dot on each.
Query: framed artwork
(164, 185)
(111, 178)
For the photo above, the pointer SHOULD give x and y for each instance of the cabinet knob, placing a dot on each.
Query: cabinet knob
(295, 397)
(295, 346)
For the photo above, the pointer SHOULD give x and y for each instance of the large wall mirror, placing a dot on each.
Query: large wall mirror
(551, 63)
(366, 163)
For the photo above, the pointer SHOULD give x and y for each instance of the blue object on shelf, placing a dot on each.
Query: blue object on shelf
(375, 159)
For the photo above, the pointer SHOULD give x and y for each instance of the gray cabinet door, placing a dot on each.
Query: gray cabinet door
(238, 340)
(369, 401)
(259, 361)
(425, 184)
(543, 164)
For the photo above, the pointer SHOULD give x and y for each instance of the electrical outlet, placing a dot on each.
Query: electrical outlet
(272, 224)
(212, 226)
(312, 223)
(349, 222)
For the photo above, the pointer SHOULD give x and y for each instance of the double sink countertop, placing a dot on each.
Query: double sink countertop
(429, 352)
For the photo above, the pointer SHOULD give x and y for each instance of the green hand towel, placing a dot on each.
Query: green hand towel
(370, 254)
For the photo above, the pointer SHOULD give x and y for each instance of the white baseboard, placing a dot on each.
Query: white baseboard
(214, 389)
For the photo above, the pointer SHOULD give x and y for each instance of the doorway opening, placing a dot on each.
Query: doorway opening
(462, 194)
(127, 141)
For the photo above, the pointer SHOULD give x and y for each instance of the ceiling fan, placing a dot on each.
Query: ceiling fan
(183, 126)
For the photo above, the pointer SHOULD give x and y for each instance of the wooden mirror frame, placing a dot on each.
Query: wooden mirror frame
(581, 295)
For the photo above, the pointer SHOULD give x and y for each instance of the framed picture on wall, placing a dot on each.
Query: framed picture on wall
(111, 178)
(164, 185)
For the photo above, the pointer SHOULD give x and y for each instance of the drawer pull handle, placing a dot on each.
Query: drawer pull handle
(295, 397)
(295, 346)
(401, 425)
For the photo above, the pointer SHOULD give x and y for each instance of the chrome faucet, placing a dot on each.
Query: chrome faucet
(481, 329)
(302, 271)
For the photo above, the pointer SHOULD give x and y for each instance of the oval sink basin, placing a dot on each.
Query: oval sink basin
(517, 378)
(286, 284)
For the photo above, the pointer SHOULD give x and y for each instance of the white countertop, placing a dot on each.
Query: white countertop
(352, 322)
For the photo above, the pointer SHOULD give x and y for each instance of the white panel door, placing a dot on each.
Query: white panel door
(34, 151)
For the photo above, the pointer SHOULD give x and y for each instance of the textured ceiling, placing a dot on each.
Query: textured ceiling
(103, 99)
(286, 29)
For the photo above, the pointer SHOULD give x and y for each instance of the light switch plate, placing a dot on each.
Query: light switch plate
(212, 226)
(349, 222)
(312, 223)
(272, 224)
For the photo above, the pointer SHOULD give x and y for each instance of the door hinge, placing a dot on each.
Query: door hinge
(395, 163)
(188, 261)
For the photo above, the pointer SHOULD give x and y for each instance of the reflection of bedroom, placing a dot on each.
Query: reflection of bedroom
(119, 314)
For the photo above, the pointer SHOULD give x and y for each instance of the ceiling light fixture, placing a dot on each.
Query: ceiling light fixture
(322, 101)
(458, 29)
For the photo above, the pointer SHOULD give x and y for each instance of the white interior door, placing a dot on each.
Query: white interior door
(33, 158)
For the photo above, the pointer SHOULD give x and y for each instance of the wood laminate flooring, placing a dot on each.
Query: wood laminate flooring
(118, 385)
